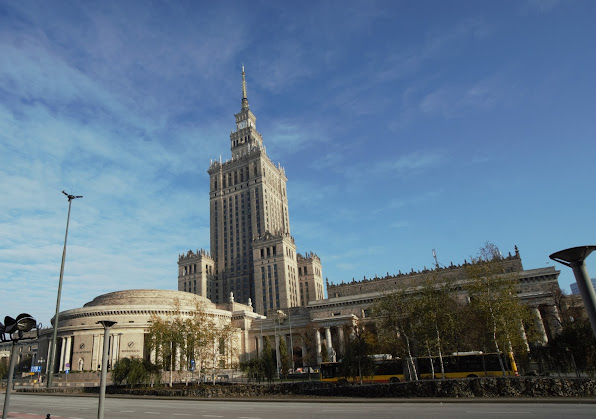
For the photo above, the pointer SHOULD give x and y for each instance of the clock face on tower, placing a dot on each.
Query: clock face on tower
(241, 124)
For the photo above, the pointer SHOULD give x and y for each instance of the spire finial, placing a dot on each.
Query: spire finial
(244, 98)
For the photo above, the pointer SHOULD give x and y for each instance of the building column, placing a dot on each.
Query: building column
(524, 336)
(61, 362)
(67, 359)
(260, 346)
(247, 349)
(119, 350)
(48, 355)
(153, 356)
(95, 361)
(554, 320)
(100, 353)
(539, 325)
(340, 337)
(304, 351)
(318, 343)
(329, 344)
(115, 349)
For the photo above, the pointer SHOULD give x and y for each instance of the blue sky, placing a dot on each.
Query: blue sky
(403, 126)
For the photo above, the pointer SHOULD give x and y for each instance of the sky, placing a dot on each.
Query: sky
(403, 127)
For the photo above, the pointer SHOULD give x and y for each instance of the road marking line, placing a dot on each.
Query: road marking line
(127, 411)
(496, 413)
(212, 416)
(153, 413)
(247, 417)
(180, 414)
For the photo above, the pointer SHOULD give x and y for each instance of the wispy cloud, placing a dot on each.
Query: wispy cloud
(285, 136)
(415, 200)
(416, 161)
(399, 224)
(541, 6)
(457, 101)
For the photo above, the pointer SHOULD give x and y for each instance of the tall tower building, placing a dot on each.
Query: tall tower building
(247, 199)
(253, 256)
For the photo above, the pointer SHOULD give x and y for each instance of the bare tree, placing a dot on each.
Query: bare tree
(494, 305)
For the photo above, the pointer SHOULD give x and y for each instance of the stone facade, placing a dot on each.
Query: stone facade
(415, 279)
(276, 273)
(310, 274)
(196, 273)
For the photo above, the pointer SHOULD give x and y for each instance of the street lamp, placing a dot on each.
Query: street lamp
(14, 330)
(55, 333)
(291, 339)
(574, 257)
(104, 365)
(279, 314)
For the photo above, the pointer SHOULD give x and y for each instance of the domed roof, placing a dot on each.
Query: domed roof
(148, 298)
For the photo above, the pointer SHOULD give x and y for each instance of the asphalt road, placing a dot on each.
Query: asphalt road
(37, 406)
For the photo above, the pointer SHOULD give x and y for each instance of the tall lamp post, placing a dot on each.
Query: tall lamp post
(55, 333)
(574, 258)
(13, 330)
(104, 364)
(291, 340)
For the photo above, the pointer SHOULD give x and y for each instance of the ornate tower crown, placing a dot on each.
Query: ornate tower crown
(246, 136)
(244, 98)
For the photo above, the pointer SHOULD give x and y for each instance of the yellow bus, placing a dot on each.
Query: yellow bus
(458, 365)
(467, 364)
(386, 371)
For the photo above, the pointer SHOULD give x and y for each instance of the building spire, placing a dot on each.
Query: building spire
(244, 98)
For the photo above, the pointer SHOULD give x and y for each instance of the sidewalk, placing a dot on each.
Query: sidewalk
(31, 416)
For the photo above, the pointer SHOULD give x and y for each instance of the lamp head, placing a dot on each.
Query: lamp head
(573, 254)
(10, 325)
(25, 322)
(106, 323)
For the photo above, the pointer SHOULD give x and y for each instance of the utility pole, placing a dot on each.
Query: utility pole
(55, 334)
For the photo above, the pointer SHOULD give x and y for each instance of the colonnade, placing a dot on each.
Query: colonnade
(553, 322)
(91, 363)
(177, 364)
(322, 334)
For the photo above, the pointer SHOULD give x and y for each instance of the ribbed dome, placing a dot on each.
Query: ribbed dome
(148, 298)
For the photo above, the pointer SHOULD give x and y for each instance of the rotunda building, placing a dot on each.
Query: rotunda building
(80, 337)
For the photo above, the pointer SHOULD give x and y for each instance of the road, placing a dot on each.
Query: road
(37, 406)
